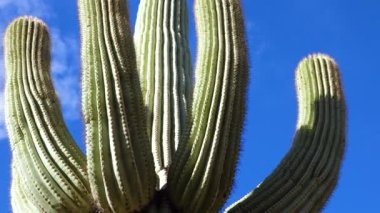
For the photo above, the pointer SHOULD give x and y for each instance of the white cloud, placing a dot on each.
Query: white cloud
(66, 75)
(65, 57)
(68, 92)
(23, 7)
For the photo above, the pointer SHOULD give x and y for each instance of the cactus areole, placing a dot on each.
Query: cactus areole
(156, 142)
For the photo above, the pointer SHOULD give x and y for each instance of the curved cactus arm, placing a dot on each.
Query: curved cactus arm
(163, 59)
(201, 174)
(48, 165)
(308, 174)
(120, 164)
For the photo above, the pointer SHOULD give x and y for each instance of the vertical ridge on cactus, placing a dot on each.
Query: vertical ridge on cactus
(155, 144)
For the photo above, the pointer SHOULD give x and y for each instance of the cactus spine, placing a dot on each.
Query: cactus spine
(153, 143)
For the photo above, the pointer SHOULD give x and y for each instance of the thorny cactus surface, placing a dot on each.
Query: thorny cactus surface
(153, 142)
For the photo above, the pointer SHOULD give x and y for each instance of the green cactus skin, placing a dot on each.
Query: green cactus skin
(48, 168)
(207, 159)
(20, 203)
(119, 162)
(309, 172)
(163, 59)
(155, 144)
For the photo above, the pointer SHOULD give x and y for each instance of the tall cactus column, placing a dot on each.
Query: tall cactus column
(163, 59)
(120, 163)
(202, 172)
(48, 168)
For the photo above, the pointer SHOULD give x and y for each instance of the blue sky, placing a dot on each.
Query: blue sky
(279, 34)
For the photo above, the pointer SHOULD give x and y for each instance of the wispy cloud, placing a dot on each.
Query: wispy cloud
(256, 42)
(65, 57)
(11, 8)
(66, 75)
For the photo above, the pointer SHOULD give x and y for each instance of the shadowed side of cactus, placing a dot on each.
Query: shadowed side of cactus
(155, 144)
(308, 174)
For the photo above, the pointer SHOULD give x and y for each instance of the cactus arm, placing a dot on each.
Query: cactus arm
(199, 179)
(308, 174)
(163, 60)
(48, 164)
(120, 164)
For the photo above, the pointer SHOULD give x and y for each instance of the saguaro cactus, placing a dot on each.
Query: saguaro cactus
(153, 142)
